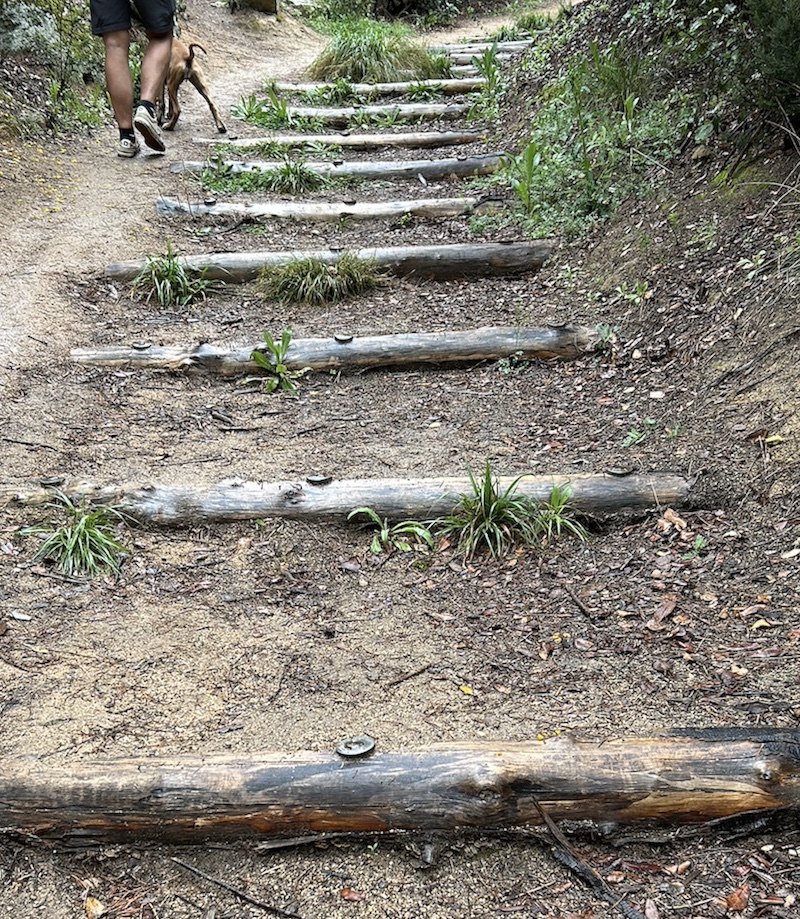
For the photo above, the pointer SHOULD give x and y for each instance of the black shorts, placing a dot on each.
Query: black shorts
(158, 16)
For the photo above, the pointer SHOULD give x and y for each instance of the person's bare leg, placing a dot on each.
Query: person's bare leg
(155, 65)
(118, 76)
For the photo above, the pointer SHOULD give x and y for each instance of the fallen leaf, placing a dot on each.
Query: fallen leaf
(737, 900)
(467, 690)
(651, 910)
(348, 893)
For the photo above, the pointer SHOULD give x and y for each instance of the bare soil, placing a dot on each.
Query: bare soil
(289, 635)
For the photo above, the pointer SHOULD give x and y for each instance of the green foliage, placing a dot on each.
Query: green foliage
(272, 360)
(290, 177)
(273, 113)
(556, 517)
(390, 537)
(58, 33)
(368, 51)
(339, 92)
(776, 51)
(487, 105)
(522, 175)
(165, 278)
(85, 542)
(310, 280)
(490, 519)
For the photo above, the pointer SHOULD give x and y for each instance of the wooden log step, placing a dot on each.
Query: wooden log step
(479, 45)
(466, 57)
(688, 776)
(464, 71)
(417, 111)
(458, 166)
(434, 263)
(423, 208)
(396, 499)
(412, 139)
(345, 352)
(448, 87)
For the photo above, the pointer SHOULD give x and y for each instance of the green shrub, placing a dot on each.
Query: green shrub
(776, 51)
(310, 280)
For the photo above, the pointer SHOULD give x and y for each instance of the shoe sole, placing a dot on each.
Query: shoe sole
(153, 141)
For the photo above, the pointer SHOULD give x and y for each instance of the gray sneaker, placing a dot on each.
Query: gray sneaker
(128, 147)
(148, 128)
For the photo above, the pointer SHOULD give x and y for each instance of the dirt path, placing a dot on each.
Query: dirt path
(283, 635)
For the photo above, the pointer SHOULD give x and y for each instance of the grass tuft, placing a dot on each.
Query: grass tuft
(368, 51)
(310, 280)
(85, 543)
(166, 279)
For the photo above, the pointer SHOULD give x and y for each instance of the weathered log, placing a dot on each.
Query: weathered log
(435, 263)
(466, 57)
(397, 499)
(418, 139)
(339, 353)
(686, 777)
(460, 166)
(476, 47)
(417, 111)
(446, 87)
(332, 210)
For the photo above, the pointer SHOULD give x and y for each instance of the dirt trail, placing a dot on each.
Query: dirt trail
(282, 635)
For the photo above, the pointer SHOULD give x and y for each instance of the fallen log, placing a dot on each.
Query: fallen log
(411, 139)
(410, 111)
(448, 87)
(467, 57)
(684, 777)
(424, 208)
(341, 353)
(333, 499)
(434, 263)
(460, 166)
(476, 47)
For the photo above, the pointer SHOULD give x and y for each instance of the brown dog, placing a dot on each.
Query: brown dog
(182, 67)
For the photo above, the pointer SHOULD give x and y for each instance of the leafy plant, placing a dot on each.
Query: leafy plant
(641, 292)
(698, 548)
(169, 281)
(488, 518)
(85, 543)
(390, 537)
(272, 360)
(290, 177)
(522, 175)
(635, 436)
(310, 280)
(338, 92)
(555, 517)
(487, 105)
(367, 51)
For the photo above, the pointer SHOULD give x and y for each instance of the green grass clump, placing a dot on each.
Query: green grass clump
(85, 542)
(368, 51)
(310, 280)
(291, 177)
(165, 278)
(489, 519)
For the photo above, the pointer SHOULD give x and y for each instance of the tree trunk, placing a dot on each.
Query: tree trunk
(687, 777)
(418, 139)
(433, 263)
(484, 164)
(396, 499)
(426, 111)
(424, 208)
(565, 341)
(447, 87)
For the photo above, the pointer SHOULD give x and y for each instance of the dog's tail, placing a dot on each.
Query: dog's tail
(191, 52)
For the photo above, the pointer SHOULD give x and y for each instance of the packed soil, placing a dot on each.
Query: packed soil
(287, 635)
